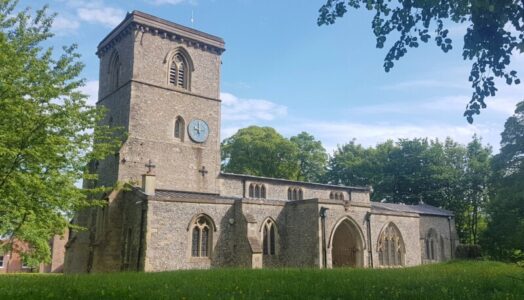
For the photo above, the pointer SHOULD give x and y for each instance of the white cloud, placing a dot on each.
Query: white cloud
(107, 16)
(238, 109)
(91, 90)
(63, 24)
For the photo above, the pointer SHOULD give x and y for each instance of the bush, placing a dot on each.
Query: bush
(467, 251)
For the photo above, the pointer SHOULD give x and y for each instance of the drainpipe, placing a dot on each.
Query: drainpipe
(370, 249)
(450, 238)
(323, 216)
(243, 188)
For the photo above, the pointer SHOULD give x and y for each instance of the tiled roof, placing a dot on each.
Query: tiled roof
(421, 209)
(169, 194)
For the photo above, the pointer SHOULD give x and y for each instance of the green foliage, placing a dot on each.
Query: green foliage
(456, 280)
(312, 157)
(46, 133)
(489, 41)
(504, 237)
(443, 174)
(260, 151)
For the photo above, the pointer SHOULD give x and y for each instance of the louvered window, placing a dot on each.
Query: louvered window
(178, 72)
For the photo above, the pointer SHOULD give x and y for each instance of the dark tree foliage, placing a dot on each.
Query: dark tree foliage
(489, 41)
(443, 174)
(504, 237)
(312, 157)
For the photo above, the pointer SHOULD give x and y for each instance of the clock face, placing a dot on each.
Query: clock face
(198, 130)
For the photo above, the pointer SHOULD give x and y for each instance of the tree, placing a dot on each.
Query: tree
(260, 151)
(504, 236)
(312, 157)
(489, 41)
(47, 133)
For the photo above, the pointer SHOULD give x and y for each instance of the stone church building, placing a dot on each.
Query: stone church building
(160, 81)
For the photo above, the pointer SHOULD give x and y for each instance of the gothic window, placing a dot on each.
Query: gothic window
(268, 238)
(391, 247)
(114, 71)
(432, 245)
(101, 216)
(295, 194)
(201, 237)
(257, 191)
(179, 128)
(179, 72)
(336, 196)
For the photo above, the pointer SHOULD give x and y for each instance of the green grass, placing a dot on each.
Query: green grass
(455, 280)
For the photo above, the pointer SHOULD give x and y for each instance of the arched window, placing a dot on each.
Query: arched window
(331, 195)
(257, 191)
(251, 190)
(263, 192)
(391, 247)
(114, 71)
(179, 71)
(295, 194)
(432, 244)
(201, 237)
(269, 238)
(336, 195)
(179, 128)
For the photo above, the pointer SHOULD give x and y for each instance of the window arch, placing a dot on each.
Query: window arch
(391, 248)
(180, 67)
(114, 70)
(295, 193)
(269, 239)
(257, 191)
(201, 237)
(179, 128)
(432, 244)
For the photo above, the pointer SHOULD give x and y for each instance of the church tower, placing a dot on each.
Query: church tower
(160, 81)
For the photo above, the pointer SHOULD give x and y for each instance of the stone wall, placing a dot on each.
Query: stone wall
(446, 239)
(168, 238)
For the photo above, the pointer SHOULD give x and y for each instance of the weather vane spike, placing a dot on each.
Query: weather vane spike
(192, 19)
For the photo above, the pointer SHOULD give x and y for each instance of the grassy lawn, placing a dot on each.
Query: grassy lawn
(455, 280)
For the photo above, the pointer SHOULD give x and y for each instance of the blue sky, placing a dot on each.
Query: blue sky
(281, 70)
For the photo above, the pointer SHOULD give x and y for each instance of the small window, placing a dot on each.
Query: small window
(179, 128)
(257, 191)
(201, 238)
(336, 196)
(1, 261)
(268, 238)
(295, 194)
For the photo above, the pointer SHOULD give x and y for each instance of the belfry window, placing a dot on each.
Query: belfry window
(391, 247)
(257, 191)
(295, 194)
(201, 237)
(179, 128)
(268, 238)
(179, 72)
(114, 71)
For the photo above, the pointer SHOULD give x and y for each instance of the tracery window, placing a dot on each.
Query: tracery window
(391, 247)
(269, 238)
(179, 128)
(114, 71)
(294, 193)
(179, 71)
(336, 195)
(257, 191)
(432, 244)
(201, 237)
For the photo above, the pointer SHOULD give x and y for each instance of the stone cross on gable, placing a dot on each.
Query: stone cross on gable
(203, 171)
(150, 166)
